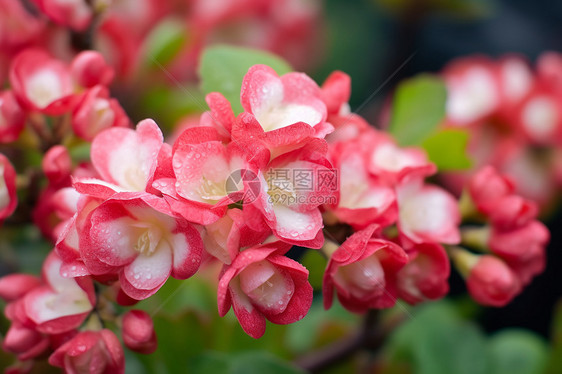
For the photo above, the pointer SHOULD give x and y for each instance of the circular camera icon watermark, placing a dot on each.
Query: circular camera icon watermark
(243, 185)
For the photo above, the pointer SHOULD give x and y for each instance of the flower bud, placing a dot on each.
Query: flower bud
(487, 186)
(14, 286)
(24, 342)
(57, 164)
(12, 118)
(90, 349)
(138, 332)
(8, 197)
(90, 69)
(425, 276)
(491, 282)
(363, 272)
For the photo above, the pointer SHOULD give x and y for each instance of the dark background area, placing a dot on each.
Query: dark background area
(384, 43)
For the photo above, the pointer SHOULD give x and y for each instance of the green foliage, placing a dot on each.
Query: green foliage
(164, 42)
(447, 149)
(555, 360)
(168, 105)
(192, 336)
(436, 340)
(222, 69)
(315, 262)
(517, 352)
(320, 326)
(418, 108)
(247, 363)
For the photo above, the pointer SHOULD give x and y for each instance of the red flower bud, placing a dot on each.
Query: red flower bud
(138, 332)
(491, 282)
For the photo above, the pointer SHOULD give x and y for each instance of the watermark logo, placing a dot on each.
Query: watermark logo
(243, 185)
(286, 186)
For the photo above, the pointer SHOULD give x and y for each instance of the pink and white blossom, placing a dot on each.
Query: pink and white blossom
(363, 271)
(262, 283)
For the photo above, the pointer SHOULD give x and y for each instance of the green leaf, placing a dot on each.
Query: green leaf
(244, 363)
(555, 362)
(316, 264)
(168, 105)
(517, 352)
(418, 108)
(222, 69)
(319, 327)
(437, 341)
(164, 42)
(447, 149)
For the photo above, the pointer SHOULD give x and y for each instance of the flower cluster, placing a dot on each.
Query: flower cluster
(513, 115)
(295, 168)
(512, 239)
(123, 31)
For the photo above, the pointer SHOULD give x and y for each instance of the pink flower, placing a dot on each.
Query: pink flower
(208, 175)
(139, 238)
(15, 286)
(52, 306)
(549, 69)
(393, 164)
(89, 69)
(220, 117)
(263, 284)
(363, 271)
(17, 26)
(76, 14)
(57, 165)
(539, 117)
(90, 352)
(286, 109)
(472, 90)
(493, 195)
(425, 276)
(522, 247)
(42, 83)
(512, 211)
(125, 159)
(224, 238)
(427, 213)
(335, 93)
(68, 238)
(362, 199)
(138, 332)
(12, 118)
(487, 186)
(25, 342)
(8, 197)
(515, 80)
(97, 112)
(60, 304)
(293, 186)
(491, 282)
